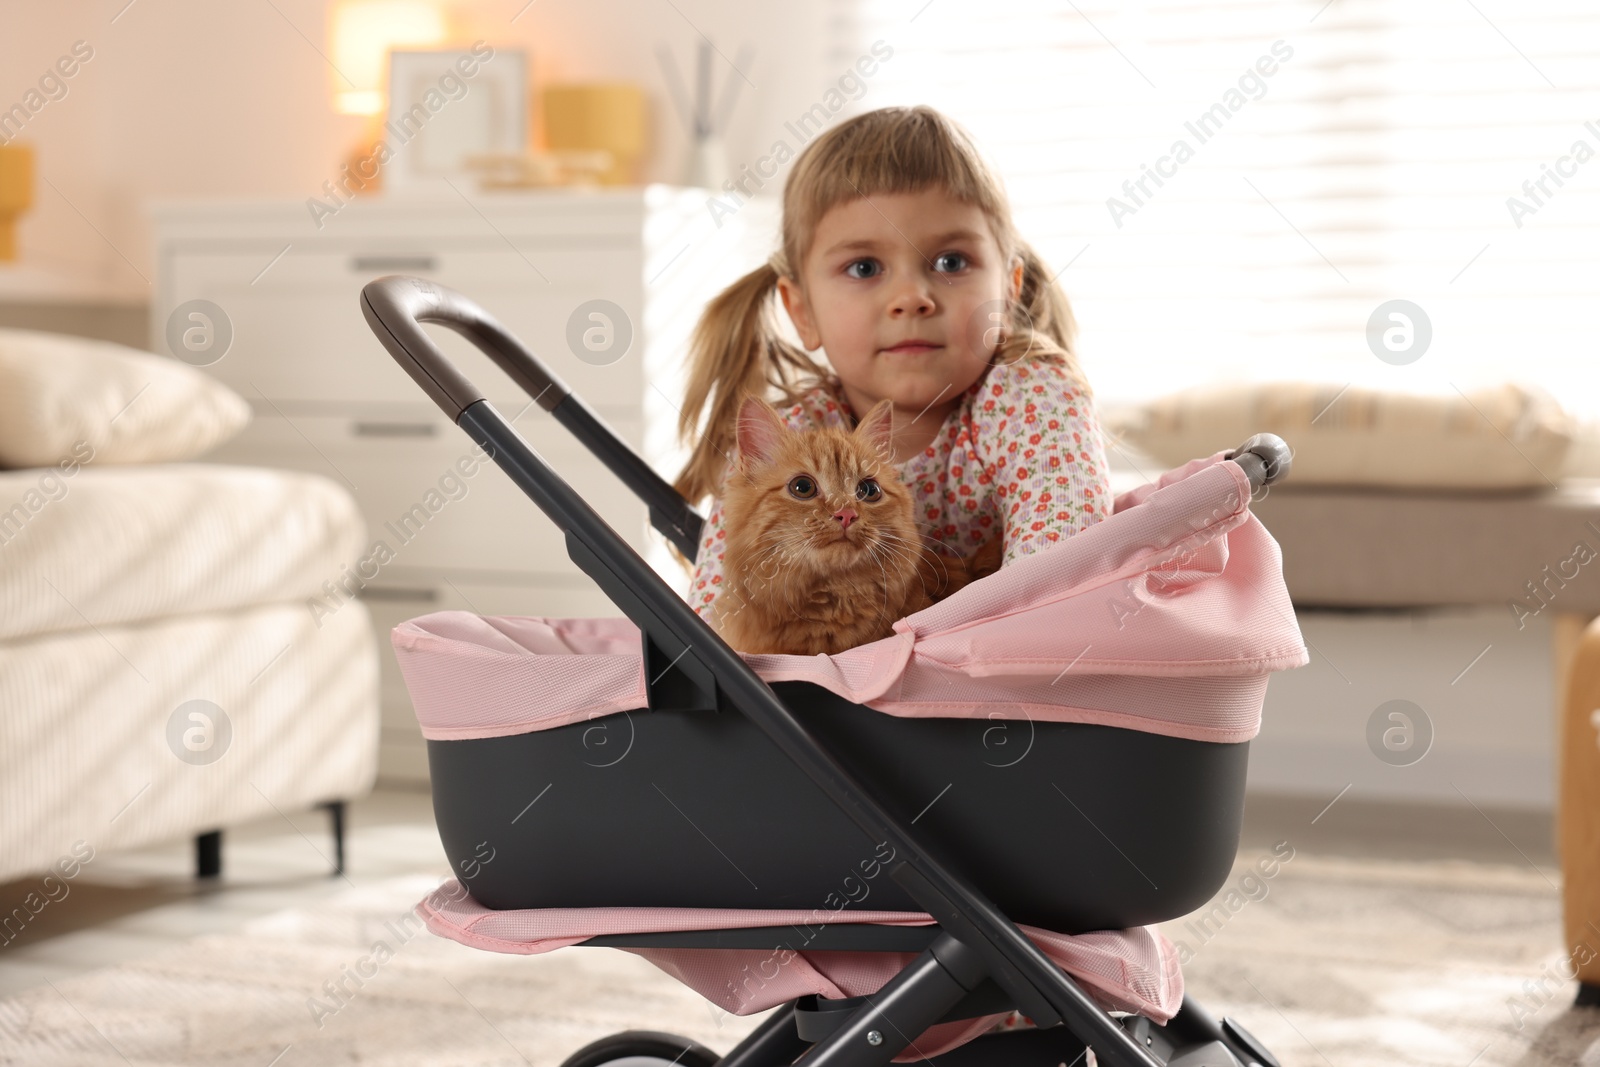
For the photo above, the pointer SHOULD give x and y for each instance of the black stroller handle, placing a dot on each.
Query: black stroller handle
(707, 671)
(395, 300)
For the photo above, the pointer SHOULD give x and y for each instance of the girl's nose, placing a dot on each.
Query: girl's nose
(844, 517)
(913, 298)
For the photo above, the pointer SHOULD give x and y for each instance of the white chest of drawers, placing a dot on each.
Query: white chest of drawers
(329, 399)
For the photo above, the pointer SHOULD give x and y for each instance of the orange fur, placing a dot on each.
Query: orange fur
(799, 580)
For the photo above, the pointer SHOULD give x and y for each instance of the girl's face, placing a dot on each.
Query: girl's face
(903, 292)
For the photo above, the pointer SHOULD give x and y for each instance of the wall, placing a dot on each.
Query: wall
(195, 98)
(1482, 721)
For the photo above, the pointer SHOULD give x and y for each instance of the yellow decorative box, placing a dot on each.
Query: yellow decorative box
(607, 117)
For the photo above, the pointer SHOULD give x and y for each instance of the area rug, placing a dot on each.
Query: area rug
(1332, 963)
(1347, 964)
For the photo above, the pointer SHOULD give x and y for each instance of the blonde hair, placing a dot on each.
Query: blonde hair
(736, 348)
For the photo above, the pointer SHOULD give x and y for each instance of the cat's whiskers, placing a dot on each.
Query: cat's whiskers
(796, 546)
(914, 550)
(751, 581)
(883, 589)
(900, 547)
(781, 541)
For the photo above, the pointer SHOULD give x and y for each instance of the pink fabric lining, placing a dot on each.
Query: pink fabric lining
(1166, 616)
(1121, 970)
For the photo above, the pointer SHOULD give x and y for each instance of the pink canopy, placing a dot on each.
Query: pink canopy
(1166, 616)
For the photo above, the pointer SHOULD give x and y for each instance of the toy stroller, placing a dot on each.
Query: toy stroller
(741, 810)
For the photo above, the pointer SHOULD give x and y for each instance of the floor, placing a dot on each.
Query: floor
(1349, 827)
(128, 905)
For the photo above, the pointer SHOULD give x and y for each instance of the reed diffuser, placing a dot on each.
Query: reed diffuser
(707, 163)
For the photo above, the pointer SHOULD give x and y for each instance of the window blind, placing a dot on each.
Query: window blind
(1445, 152)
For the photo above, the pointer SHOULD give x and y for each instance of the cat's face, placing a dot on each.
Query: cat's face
(824, 500)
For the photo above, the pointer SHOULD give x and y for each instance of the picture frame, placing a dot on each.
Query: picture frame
(447, 105)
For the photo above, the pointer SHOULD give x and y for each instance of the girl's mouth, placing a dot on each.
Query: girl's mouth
(914, 347)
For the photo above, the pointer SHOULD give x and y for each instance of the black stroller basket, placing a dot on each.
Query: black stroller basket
(805, 787)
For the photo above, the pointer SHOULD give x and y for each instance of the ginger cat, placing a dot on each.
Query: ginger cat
(823, 551)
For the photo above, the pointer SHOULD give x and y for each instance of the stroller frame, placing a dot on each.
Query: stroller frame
(974, 960)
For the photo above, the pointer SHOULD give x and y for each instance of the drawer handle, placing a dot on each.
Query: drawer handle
(368, 264)
(393, 592)
(394, 429)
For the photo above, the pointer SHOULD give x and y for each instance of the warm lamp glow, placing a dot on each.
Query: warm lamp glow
(362, 32)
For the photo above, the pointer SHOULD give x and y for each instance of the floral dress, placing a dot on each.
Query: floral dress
(1021, 455)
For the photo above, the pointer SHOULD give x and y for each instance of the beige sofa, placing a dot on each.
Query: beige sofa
(161, 674)
(176, 653)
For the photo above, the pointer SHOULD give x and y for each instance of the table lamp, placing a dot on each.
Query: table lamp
(361, 34)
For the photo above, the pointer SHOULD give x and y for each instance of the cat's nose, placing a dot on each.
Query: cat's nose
(844, 517)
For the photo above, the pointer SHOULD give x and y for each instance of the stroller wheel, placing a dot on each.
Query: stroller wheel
(643, 1048)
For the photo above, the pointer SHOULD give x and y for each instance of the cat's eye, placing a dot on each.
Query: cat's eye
(868, 490)
(802, 487)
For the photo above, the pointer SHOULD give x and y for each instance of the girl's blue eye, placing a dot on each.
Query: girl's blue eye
(961, 257)
(860, 262)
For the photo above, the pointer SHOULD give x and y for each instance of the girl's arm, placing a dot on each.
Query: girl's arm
(1046, 456)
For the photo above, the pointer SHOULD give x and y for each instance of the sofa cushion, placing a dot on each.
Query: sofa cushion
(1583, 461)
(62, 396)
(1507, 435)
(89, 546)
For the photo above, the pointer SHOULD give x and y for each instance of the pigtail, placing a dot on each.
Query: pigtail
(1043, 326)
(736, 350)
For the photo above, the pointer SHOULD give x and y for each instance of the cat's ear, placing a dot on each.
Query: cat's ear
(877, 429)
(759, 433)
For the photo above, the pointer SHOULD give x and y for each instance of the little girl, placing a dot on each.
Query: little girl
(899, 260)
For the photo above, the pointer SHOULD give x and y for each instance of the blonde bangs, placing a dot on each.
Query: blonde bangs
(884, 152)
